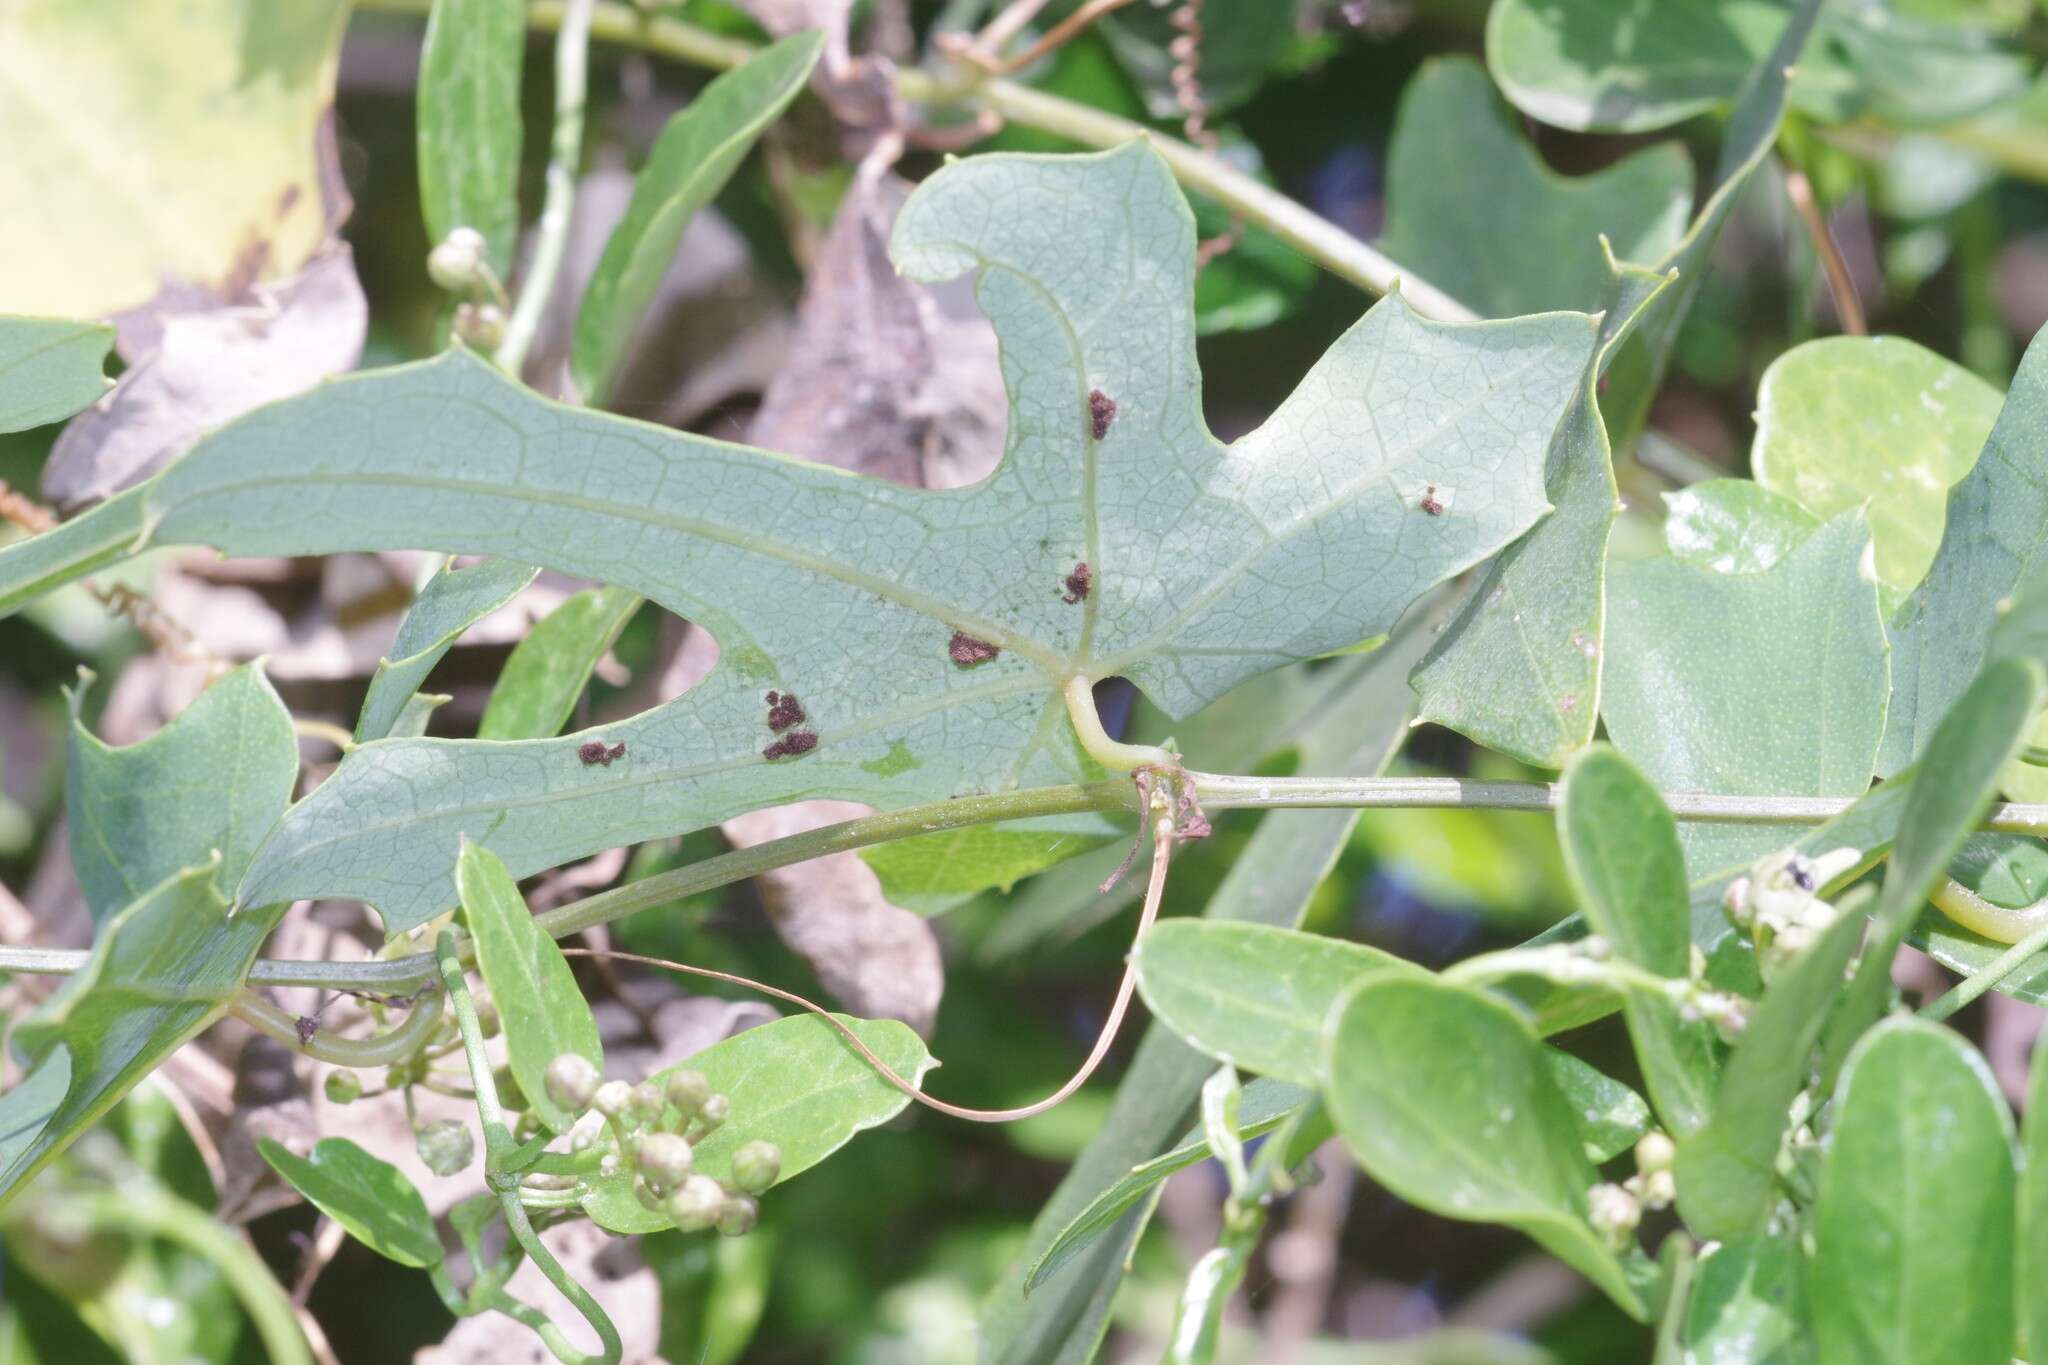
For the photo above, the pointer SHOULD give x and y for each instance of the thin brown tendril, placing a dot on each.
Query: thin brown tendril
(1163, 837)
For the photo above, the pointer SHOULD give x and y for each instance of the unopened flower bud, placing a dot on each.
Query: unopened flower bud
(572, 1079)
(738, 1217)
(343, 1087)
(687, 1091)
(487, 1020)
(665, 1160)
(696, 1203)
(528, 1128)
(510, 1094)
(457, 262)
(612, 1098)
(645, 1102)
(716, 1107)
(445, 1146)
(1655, 1152)
(480, 324)
(1613, 1212)
(756, 1165)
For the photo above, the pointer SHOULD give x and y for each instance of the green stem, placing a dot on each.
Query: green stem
(1309, 233)
(382, 1050)
(565, 153)
(151, 1213)
(398, 976)
(499, 1149)
(1985, 977)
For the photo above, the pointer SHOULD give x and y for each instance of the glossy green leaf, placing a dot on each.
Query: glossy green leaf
(539, 686)
(2030, 1273)
(1621, 847)
(1990, 544)
(1949, 793)
(850, 593)
(1734, 525)
(50, 368)
(1521, 668)
(1625, 65)
(160, 147)
(793, 1082)
(1271, 882)
(1507, 235)
(217, 777)
(469, 122)
(160, 971)
(1265, 1105)
(1770, 683)
(538, 1000)
(370, 1197)
(1847, 420)
(1748, 1302)
(1727, 1178)
(931, 873)
(1253, 995)
(692, 159)
(1914, 1224)
(452, 601)
(1608, 1115)
(1445, 1098)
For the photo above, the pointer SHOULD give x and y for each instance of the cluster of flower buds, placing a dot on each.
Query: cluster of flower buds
(461, 264)
(1779, 906)
(654, 1131)
(1615, 1210)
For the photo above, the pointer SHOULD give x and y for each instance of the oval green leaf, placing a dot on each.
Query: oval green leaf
(370, 1197)
(793, 1082)
(541, 1007)
(1914, 1224)
(1445, 1097)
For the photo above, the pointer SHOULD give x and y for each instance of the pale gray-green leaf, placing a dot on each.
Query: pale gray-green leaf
(452, 601)
(793, 1082)
(50, 368)
(1210, 563)
(160, 971)
(541, 1006)
(692, 159)
(216, 778)
(1761, 684)
(1991, 542)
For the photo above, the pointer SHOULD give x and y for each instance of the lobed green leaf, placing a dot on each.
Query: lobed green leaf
(452, 601)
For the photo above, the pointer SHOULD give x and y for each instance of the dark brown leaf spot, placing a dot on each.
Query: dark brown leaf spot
(1077, 583)
(784, 710)
(791, 744)
(1101, 412)
(1429, 502)
(306, 1028)
(595, 751)
(967, 651)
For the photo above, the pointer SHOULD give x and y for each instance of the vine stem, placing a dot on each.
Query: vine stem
(565, 151)
(400, 975)
(499, 1170)
(1302, 229)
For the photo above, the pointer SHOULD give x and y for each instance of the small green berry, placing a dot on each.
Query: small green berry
(612, 1098)
(528, 1128)
(664, 1159)
(646, 1102)
(510, 1095)
(738, 1217)
(697, 1203)
(687, 1091)
(755, 1166)
(445, 1146)
(343, 1087)
(487, 1020)
(571, 1080)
